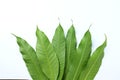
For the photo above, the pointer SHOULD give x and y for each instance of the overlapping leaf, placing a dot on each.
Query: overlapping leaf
(93, 64)
(59, 47)
(47, 56)
(80, 57)
(83, 51)
(70, 53)
(62, 60)
(31, 60)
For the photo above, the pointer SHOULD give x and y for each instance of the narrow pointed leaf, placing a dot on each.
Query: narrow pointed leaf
(84, 50)
(72, 66)
(93, 64)
(47, 56)
(70, 52)
(31, 60)
(58, 43)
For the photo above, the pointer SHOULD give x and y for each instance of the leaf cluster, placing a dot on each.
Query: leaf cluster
(61, 59)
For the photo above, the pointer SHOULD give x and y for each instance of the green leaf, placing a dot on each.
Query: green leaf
(94, 63)
(84, 50)
(59, 47)
(80, 57)
(31, 60)
(47, 56)
(70, 52)
(61, 59)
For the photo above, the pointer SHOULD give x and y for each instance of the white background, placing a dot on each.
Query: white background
(21, 17)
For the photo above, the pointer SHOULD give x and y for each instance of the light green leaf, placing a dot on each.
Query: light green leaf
(61, 59)
(84, 50)
(47, 56)
(93, 64)
(59, 47)
(80, 57)
(31, 60)
(70, 53)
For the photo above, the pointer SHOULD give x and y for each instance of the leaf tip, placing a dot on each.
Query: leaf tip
(59, 20)
(37, 30)
(105, 36)
(59, 28)
(72, 27)
(105, 39)
(72, 21)
(59, 25)
(14, 35)
(37, 27)
(89, 26)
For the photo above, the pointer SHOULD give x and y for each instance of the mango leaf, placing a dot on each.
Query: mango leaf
(93, 64)
(70, 53)
(47, 56)
(58, 43)
(31, 60)
(83, 51)
(81, 56)
(62, 60)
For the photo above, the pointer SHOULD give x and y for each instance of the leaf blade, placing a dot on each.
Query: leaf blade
(58, 43)
(94, 63)
(70, 52)
(31, 61)
(83, 52)
(46, 55)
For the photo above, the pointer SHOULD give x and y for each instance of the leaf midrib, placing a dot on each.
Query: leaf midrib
(46, 50)
(33, 60)
(80, 61)
(92, 66)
